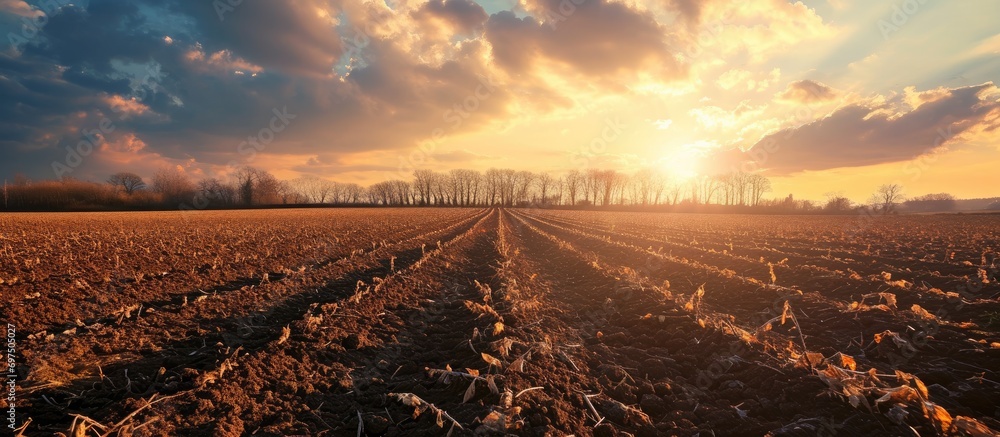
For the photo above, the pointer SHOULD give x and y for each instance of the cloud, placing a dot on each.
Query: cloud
(689, 10)
(463, 16)
(662, 124)
(19, 7)
(807, 91)
(744, 80)
(588, 39)
(199, 96)
(296, 37)
(880, 131)
(761, 29)
(714, 117)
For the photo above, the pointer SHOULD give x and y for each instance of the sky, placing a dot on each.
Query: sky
(823, 97)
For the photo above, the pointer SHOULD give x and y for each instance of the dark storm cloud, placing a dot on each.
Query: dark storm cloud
(288, 36)
(186, 82)
(197, 97)
(91, 38)
(868, 134)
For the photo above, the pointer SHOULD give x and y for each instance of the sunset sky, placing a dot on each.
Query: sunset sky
(821, 96)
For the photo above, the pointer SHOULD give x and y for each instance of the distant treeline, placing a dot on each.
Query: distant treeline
(249, 187)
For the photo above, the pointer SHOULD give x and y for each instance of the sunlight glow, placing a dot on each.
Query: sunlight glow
(682, 165)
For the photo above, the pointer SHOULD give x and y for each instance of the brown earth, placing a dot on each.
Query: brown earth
(500, 321)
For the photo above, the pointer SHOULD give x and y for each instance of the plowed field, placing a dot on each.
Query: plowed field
(501, 321)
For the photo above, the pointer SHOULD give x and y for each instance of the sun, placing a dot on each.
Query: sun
(684, 164)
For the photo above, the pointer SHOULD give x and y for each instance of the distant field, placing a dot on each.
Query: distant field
(492, 321)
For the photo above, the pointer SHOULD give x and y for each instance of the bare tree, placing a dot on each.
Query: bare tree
(424, 181)
(491, 186)
(758, 185)
(836, 202)
(507, 186)
(573, 181)
(316, 190)
(400, 192)
(246, 177)
(560, 187)
(129, 182)
(545, 183)
(886, 197)
(268, 189)
(381, 192)
(522, 186)
(642, 186)
(465, 185)
(217, 192)
(931, 202)
(256, 187)
(173, 184)
(591, 185)
(353, 193)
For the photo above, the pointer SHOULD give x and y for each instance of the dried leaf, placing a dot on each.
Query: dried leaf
(470, 392)
(518, 364)
(972, 427)
(879, 337)
(921, 388)
(503, 346)
(491, 360)
(918, 310)
(856, 397)
(938, 416)
(899, 395)
(493, 385)
(844, 361)
(497, 328)
(890, 299)
(810, 359)
(495, 422)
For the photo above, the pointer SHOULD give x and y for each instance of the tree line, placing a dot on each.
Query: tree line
(248, 186)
